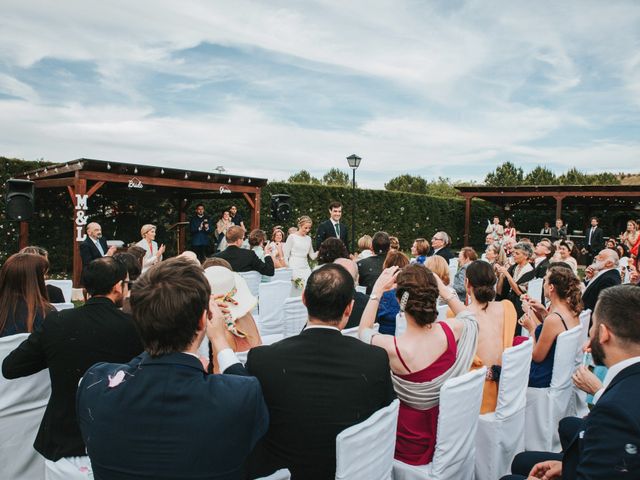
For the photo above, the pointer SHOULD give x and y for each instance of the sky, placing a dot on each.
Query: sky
(446, 88)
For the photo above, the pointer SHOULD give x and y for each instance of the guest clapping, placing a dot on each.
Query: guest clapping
(153, 253)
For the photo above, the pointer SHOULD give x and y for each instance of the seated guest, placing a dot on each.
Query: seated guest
(465, 257)
(388, 307)
(543, 252)
(257, 241)
(315, 384)
(600, 275)
(330, 249)
(513, 281)
(23, 294)
(496, 323)
(439, 266)
(562, 288)
(161, 416)
(440, 246)
(422, 358)
(563, 254)
(243, 260)
(394, 243)
(419, 250)
(604, 445)
(364, 246)
(138, 253)
(133, 269)
(216, 262)
(359, 299)
(494, 254)
(54, 293)
(369, 269)
(153, 253)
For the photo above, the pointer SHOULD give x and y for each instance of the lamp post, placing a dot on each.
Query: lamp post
(354, 163)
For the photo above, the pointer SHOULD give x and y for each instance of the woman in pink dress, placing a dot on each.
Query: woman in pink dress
(422, 358)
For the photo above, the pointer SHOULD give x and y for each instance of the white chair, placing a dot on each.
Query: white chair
(270, 300)
(282, 474)
(361, 289)
(442, 312)
(578, 406)
(295, 316)
(253, 280)
(63, 306)
(453, 262)
(65, 285)
(353, 332)
(22, 405)
(283, 274)
(535, 288)
(365, 450)
(501, 433)
(454, 457)
(547, 406)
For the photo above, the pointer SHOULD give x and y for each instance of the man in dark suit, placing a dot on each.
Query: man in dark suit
(543, 251)
(359, 299)
(370, 268)
(160, 415)
(315, 384)
(333, 227)
(200, 227)
(94, 246)
(559, 232)
(68, 343)
(594, 241)
(241, 259)
(600, 275)
(440, 246)
(604, 445)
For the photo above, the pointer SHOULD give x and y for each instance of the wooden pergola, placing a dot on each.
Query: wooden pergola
(84, 177)
(592, 195)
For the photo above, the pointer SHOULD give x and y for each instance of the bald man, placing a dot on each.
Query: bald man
(600, 275)
(359, 299)
(94, 246)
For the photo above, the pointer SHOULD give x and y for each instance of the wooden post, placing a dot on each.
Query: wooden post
(24, 235)
(559, 205)
(255, 215)
(182, 217)
(80, 188)
(467, 219)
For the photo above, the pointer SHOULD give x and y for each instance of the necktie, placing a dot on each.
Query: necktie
(99, 248)
(337, 225)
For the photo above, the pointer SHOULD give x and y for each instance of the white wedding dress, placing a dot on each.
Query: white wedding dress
(297, 251)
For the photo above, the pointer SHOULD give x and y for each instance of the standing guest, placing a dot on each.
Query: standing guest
(68, 343)
(510, 228)
(546, 230)
(153, 253)
(630, 236)
(594, 241)
(562, 288)
(23, 295)
(169, 405)
(316, 384)
(559, 231)
(369, 269)
(200, 227)
(298, 249)
(223, 224)
(465, 257)
(494, 229)
(419, 250)
(394, 243)
(331, 249)
(277, 247)
(236, 217)
(94, 246)
(364, 246)
(332, 227)
(359, 299)
(241, 259)
(422, 358)
(563, 254)
(388, 307)
(543, 252)
(513, 281)
(440, 246)
(54, 294)
(600, 275)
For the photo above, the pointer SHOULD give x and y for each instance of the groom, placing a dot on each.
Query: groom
(332, 227)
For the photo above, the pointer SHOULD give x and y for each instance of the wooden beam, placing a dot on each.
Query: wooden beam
(53, 171)
(80, 188)
(247, 197)
(95, 188)
(612, 193)
(54, 182)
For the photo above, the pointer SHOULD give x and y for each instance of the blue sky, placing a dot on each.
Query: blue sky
(440, 88)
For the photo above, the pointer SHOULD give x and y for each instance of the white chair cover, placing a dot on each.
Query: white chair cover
(452, 273)
(22, 405)
(283, 274)
(365, 450)
(253, 280)
(442, 312)
(63, 306)
(535, 288)
(547, 406)
(578, 406)
(282, 474)
(454, 457)
(361, 289)
(353, 332)
(501, 433)
(270, 301)
(295, 316)
(453, 262)
(65, 285)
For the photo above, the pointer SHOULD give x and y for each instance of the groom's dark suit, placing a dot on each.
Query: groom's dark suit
(326, 230)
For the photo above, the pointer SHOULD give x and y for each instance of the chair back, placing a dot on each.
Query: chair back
(365, 450)
(282, 474)
(253, 280)
(565, 356)
(22, 405)
(460, 400)
(453, 270)
(534, 289)
(283, 274)
(361, 289)
(270, 300)
(295, 316)
(453, 262)
(353, 332)
(65, 285)
(442, 312)
(63, 306)
(514, 377)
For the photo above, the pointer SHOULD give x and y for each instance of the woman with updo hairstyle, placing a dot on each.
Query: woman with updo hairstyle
(365, 245)
(388, 307)
(419, 250)
(562, 289)
(422, 358)
(496, 323)
(298, 249)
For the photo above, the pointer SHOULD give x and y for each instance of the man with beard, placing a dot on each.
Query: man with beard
(68, 343)
(605, 443)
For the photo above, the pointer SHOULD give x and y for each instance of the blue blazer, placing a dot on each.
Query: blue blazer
(169, 419)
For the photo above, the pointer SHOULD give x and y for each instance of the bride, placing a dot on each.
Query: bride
(298, 247)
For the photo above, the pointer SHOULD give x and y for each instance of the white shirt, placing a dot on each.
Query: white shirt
(611, 374)
(538, 260)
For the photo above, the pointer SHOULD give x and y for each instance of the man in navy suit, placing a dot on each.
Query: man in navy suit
(333, 227)
(94, 246)
(606, 443)
(600, 275)
(161, 415)
(594, 241)
(440, 246)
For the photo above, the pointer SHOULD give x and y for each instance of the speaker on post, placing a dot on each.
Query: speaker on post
(19, 199)
(280, 207)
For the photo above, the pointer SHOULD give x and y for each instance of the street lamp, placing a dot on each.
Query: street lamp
(354, 163)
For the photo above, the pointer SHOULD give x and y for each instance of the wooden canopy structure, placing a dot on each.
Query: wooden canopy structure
(590, 195)
(84, 177)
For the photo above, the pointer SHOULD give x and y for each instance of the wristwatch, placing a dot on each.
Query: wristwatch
(374, 297)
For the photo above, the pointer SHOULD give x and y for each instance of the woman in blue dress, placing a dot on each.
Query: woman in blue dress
(388, 308)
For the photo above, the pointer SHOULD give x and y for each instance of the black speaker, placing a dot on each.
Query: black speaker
(19, 198)
(280, 207)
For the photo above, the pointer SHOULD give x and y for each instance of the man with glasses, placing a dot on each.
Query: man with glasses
(68, 343)
(440, 246)
(543, 252)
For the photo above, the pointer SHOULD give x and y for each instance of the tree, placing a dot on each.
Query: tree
(506, 174)
(605, 178)
(303, 176)
(442, 187)
(540, 176)
(336, 178)
(407, 183)
(574, 177)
